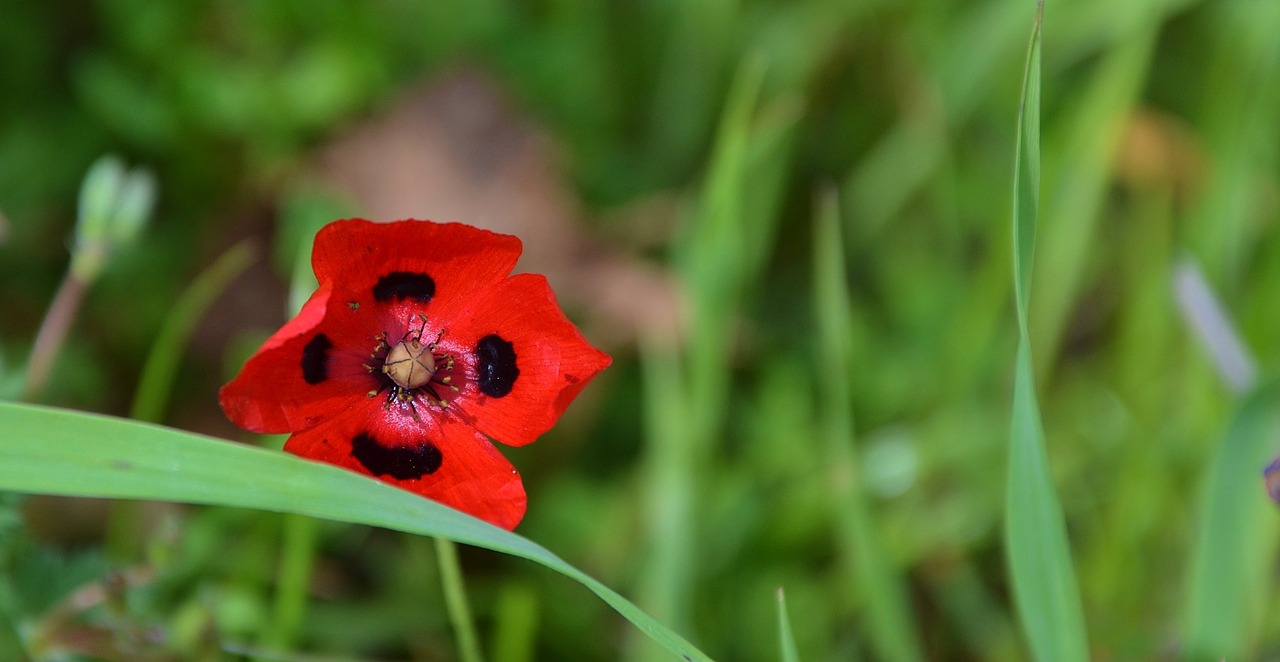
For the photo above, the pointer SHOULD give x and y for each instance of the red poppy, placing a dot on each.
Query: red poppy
(416, 348)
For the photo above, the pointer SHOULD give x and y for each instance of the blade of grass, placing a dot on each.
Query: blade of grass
(1086, 163)
(712, 263)
(882, 596)
(1043, 578)
(156, 383)
(1239, 135)
(515, 623)
(293, 578)
(1230, 571)
(904, 157)
(669, 478)
(688, 397)
(786, 640)
(455, 597)
(53, 451)
(1228, 582)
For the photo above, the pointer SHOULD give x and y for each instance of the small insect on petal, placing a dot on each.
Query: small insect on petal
(1271, 477)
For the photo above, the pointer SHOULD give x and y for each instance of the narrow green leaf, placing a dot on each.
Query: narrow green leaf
(1082, 181)
(156, 382)
(53, 451)
(1044, 583)
(1026, 182)
(876, 579)
(455, 598)
(786, 640)
(293, 581)
(1230, 574)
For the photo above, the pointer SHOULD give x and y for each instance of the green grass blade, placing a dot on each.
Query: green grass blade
(293, 581)
(156, 382)
(53, 451)
(455, 597)
(879, 585)
(1230, 573)
(786, 640)
(1082, 184)
(1026, 182)
(1044, 584)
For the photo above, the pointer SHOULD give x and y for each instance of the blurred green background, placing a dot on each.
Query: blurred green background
(770, 410)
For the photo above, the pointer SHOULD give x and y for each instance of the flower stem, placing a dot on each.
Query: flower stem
(293, 577)
(455, 598)
(52, 333)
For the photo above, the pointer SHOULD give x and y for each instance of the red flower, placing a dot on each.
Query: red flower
(415, 349)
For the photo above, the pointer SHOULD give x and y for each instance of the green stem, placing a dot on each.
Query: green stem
(455, 598)
(297, 555)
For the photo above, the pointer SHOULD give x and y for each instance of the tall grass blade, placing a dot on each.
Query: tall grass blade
(53, 451)
(786, 640)
(1229, 576)
(879, 585)
(1043, 578)
(1230, 581)
(158, 373)
(455, 598)
(1082, 179)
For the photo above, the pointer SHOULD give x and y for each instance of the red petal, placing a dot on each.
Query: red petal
(460, 259)
(472, 476)
(554, 361)
(272, 393)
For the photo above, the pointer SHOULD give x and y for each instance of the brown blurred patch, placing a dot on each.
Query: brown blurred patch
(1160, 151)
(456, 150)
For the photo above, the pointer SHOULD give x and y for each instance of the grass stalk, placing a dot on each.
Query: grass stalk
(881, 594)
(1045, 592)
(455, 598)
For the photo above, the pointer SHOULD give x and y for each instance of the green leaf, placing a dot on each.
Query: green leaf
(53, 451)
(874, 574)
(1230, 586)
(156, 383)
(786, 640)
(1044, 584)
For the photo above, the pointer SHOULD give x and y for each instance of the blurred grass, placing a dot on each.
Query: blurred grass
(1237, 541)
(871, 577)
(694, 476)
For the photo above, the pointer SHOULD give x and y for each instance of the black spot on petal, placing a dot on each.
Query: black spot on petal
(315, 359)
(402, 285)
(496, 363)
(400, 462)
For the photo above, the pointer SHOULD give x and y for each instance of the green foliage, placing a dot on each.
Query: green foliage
(1044, 581)
(133, 461)
(833, 415)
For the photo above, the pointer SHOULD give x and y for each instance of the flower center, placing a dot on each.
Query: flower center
(411, 369)
(410, 364)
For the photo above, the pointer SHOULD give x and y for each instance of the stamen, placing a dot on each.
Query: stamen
(410, 368)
